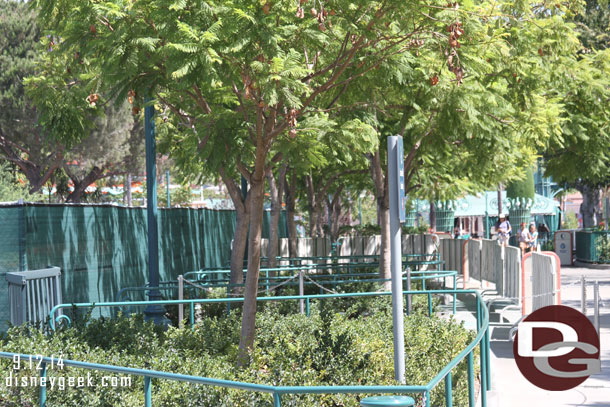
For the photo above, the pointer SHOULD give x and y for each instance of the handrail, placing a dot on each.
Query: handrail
(482, 339)
(309, 297)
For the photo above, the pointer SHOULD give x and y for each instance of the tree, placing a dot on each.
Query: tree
(258, 69)
(11, 187)
(467, 138)
(22, 141)
(108, 149)
(578, 156)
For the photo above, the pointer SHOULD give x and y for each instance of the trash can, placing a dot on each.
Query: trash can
(563, 247)
(387, 401)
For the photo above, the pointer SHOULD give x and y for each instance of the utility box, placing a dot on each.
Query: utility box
(563, 247)
(32, 294)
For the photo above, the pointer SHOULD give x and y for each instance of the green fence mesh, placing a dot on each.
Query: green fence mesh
(101, 249)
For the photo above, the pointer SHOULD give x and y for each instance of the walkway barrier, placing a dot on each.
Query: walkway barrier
(32, 294)
(354, 246)
(473, 260)
(541, 278)
(511, 280)
(492, 260)
(454, 253)
(279, 393)
(527, 282)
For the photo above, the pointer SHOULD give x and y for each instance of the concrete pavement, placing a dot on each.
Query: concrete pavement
(511, 389)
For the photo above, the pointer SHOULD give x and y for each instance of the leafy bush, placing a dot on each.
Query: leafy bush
(338, 344)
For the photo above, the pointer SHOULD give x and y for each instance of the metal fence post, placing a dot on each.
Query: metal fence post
(23, 265)
(43, 389)
(448, 391)
(147, 392)
(181, 305)
(277, 401)
(301, 293)
(471, 402)
(596, 305)
(583, 295)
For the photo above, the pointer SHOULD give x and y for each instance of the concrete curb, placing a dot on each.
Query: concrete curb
(591, 265)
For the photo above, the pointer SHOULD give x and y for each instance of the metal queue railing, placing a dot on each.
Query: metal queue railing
(279, 392)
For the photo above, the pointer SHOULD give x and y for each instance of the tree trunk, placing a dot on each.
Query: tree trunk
(311, 205)
(589, 209)
(291, 189)
(240, 238)
(127, 189)
(335, 214)
(380, 181)
(75, 196)
(276, 190)
(248, 324)
(499, 200)
(385, 271)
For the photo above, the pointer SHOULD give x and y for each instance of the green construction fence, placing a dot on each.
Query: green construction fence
(102, 248)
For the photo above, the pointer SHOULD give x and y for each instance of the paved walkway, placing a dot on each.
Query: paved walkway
(511, 389)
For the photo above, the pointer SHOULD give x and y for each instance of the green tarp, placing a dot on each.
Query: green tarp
(101, 249)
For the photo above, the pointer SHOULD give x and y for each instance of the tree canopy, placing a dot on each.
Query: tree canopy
(242, 85)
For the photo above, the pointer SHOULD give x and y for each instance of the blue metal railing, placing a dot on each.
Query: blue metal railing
(481, 339)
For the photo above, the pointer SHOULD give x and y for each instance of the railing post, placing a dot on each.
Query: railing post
(429, 303)
(487, 358)
(147, 392)
(192, 316)
(471, 402)
(483, 373)
(301, 293)
(583, 295)
(277, 401)
(448, 391)
(596, 305)
(307, 306)
(454, 294)
(43, 389)
(427, 398)
(180, 297)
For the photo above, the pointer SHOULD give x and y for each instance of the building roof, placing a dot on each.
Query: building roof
(474, 205)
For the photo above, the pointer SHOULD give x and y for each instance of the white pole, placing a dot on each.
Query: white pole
(583, 295)
(396, 261)
(301, 293)
(180, 297)
(596, 305)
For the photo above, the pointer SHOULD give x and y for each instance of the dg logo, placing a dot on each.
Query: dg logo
(557, 348)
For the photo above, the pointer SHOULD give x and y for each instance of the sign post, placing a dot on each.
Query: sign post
(397, 215)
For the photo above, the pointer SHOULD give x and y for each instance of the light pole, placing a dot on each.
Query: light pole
(156, 313)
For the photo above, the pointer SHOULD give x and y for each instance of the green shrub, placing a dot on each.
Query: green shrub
(340, 343)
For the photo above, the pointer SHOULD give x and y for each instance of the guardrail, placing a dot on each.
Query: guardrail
(310, 279)
(277, 392)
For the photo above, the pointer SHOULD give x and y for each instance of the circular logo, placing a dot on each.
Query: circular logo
(556, 348)
(562, 246)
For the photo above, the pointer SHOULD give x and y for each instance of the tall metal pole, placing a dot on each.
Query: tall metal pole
(152, 312)
(23, 264)
(167, 188)
(396, 257)
(486, 217)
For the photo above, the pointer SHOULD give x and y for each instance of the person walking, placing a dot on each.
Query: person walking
(533, 238)
(524, 237)
(504, 230)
